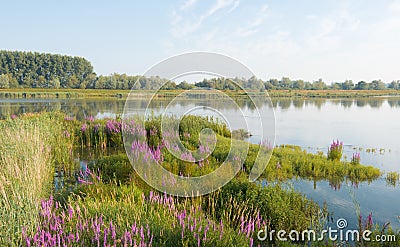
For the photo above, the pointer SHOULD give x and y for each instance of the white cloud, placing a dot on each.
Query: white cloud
(184, 23)
(252, 26)
(234, 6)
(220, 4)
(188, 4)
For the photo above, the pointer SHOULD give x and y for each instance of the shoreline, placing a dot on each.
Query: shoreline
(122, 94)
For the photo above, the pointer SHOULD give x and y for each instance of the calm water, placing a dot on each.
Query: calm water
(360, 123)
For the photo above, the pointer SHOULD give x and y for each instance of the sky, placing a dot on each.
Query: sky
(310, 39)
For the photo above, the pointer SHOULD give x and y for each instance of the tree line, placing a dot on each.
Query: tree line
(43, 70)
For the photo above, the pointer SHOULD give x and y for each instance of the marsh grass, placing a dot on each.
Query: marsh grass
(392, 178)
(30, 147)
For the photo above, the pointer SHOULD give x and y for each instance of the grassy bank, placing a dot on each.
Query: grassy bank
(29, 152)
(101, 93)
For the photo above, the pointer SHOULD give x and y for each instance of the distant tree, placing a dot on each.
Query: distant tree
(41, 82)
(170, 85)
(319, 85)
(33, 69)
(394, 85)
(336, 86)
(268, 85)
(377, 85)
(4, 81)
(298, 84)
(13, 83)
(307, 85)
(274, 83)
(185, 86)
(362, 85)
(348, 85)
(204, 83)
(72, 82)
(285, 83)
(55, 83)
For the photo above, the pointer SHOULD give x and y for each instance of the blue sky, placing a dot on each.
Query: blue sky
(309, 39)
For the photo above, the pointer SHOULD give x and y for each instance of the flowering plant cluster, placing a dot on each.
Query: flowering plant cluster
(355, 159)
(335, 151)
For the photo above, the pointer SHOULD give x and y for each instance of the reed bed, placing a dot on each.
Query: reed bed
(29, 150)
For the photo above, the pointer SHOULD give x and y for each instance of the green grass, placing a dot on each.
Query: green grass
(295, 162)
(240, 202)
(392, 178)
(29, 152)
(286, 161)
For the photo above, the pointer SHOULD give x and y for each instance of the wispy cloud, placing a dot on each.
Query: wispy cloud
(252, 26)
(234, 6)
(185, 22)
(220, 4)
(188, 4)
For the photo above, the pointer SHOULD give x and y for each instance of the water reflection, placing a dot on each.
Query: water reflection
(85, 107)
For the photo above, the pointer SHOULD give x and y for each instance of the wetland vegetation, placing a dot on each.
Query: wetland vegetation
(108, 203)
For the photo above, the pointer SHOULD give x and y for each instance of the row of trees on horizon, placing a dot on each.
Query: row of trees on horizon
(43, 70)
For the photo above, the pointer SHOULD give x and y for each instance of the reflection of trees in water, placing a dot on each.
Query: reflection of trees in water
(91, 107)
(346, 103)
(375, 103)
(298, 103)
(361, 102)
(284, 103)
(394, 102)
(316, 102)
(372, 102)
(78, 108)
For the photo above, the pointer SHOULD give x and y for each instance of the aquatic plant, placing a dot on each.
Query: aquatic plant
(392, 178)
(335, 151)
(355, 159)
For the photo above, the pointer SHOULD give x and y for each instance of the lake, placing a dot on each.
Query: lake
(370, 126)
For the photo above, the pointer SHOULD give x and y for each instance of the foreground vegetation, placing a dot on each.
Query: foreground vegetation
(29, 152)
(110, 205)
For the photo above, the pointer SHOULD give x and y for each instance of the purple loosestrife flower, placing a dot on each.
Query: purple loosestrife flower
(335, 151)
(153, 131)
(84, 127)
(66, 134)
(157, 154)
(369, 223)
(70, 212)
(113, 126)
(266, 144)
(97, 127)
(89, 118)
(141, 233)
(151, 240)
(13, 116)
(187, 157)
(355, 159)
(105, 237)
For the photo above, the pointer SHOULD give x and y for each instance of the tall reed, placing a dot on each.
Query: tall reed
(27, 156)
